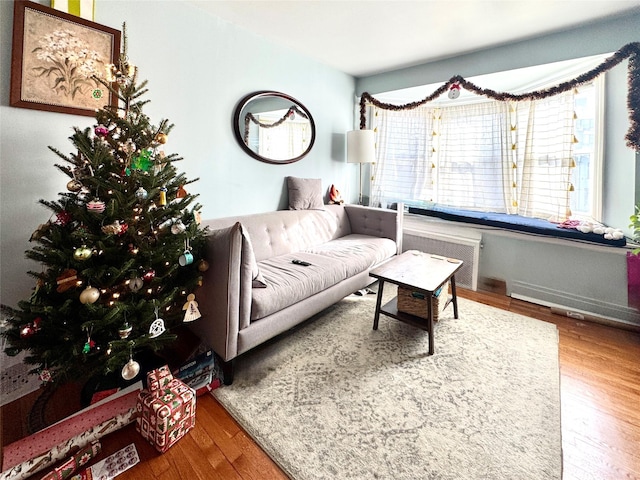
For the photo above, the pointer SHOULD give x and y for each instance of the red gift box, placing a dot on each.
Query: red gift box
(166, 410)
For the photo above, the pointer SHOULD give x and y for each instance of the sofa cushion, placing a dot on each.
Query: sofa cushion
(288, 283)
(356, 252)
(305, 193)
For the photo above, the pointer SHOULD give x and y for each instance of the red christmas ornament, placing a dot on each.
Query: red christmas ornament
(27, 331)
(149, 275)
(101, 131)
(62, 218)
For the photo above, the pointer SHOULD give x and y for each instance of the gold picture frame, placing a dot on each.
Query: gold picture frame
(55, 59)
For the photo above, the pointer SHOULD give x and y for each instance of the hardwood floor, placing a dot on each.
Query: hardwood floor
(600, 396)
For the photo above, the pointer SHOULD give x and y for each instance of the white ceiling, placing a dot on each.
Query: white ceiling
(364, 37)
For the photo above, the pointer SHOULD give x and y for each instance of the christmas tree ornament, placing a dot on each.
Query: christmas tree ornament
(66, 280)
(181, 193)
(81, 232)
(101, 131)
(89, 295)
(185, 259)
(166, 223)
(27, 331)
(125, 330)
(135, 284)
(454, 91)
(62, 218)
(82, 253)
(129, 147)
(45, 375)
(197, 216)
(161, 138)
(192, 313)
(89, 344)
(141, 194)
(149, 275)
(130, 369)
(178, 227)
(142, 161)
(162, 201)
(203, 265)
(74, 185)
(96, 206)
(116, 228)
(157, 326)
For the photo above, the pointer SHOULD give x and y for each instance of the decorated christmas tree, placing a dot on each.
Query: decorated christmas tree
(121, 252)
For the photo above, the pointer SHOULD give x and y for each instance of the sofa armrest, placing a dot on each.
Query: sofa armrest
(377, 222)
(219, 297)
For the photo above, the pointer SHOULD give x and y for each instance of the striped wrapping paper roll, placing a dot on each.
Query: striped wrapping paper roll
(79, 8)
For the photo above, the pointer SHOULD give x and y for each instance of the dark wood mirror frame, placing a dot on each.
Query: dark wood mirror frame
(239, 123)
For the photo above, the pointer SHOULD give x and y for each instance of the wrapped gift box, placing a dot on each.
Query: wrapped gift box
(166, 410)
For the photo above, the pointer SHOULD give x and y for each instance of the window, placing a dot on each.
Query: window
(535, 158)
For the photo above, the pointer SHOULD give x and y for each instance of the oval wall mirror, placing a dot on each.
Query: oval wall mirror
(273, 127)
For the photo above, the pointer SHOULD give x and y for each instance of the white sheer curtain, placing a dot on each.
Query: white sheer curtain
(403, 155)
(506, 157)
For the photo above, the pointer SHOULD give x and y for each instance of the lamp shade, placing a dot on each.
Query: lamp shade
(361, 146)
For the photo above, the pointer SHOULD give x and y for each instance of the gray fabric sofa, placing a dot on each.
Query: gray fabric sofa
(252, 291)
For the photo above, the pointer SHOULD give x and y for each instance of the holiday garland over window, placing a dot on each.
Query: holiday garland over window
(630, 51)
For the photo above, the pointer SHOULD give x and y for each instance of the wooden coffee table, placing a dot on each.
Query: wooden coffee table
(420, 272)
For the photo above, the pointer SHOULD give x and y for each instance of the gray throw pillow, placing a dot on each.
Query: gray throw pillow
(305, 193)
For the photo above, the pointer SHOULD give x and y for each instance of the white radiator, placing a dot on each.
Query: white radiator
(436, 240)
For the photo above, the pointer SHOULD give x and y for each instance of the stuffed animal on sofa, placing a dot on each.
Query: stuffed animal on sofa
(334, 196)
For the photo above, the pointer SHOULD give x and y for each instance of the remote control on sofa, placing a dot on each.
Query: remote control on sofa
(301, 262)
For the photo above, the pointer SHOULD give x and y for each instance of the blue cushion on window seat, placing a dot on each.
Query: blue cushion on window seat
(513, 222)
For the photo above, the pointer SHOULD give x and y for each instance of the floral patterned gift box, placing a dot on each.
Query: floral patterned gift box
(166, 410)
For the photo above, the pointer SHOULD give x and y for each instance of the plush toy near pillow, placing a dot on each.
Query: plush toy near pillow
(334, 196)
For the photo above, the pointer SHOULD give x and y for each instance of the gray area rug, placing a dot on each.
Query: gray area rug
(336, 400)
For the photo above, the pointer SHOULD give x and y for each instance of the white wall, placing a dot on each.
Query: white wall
(198, 68)
(587, 279)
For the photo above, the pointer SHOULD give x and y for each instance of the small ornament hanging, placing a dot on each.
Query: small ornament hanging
(157, 326)
(192, 313)
(62, 218)
(135, 284)
(141, 194)
(178, 227)
(45, 375)
(181, 193)
(162, 201)
(101, 131)
(116, 228)
(89, 344)
(454, 91)
(130, 369)
(129, 147)
(89, 295)
(203, 265)
(149, 275)
(96, 206)
(26, 331)
(161, 138)
(142, 161)
(74, 185)
(125, 330)
(66, 280)
(82, 253)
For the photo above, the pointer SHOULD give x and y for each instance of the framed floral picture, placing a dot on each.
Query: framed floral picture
(57, 58)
